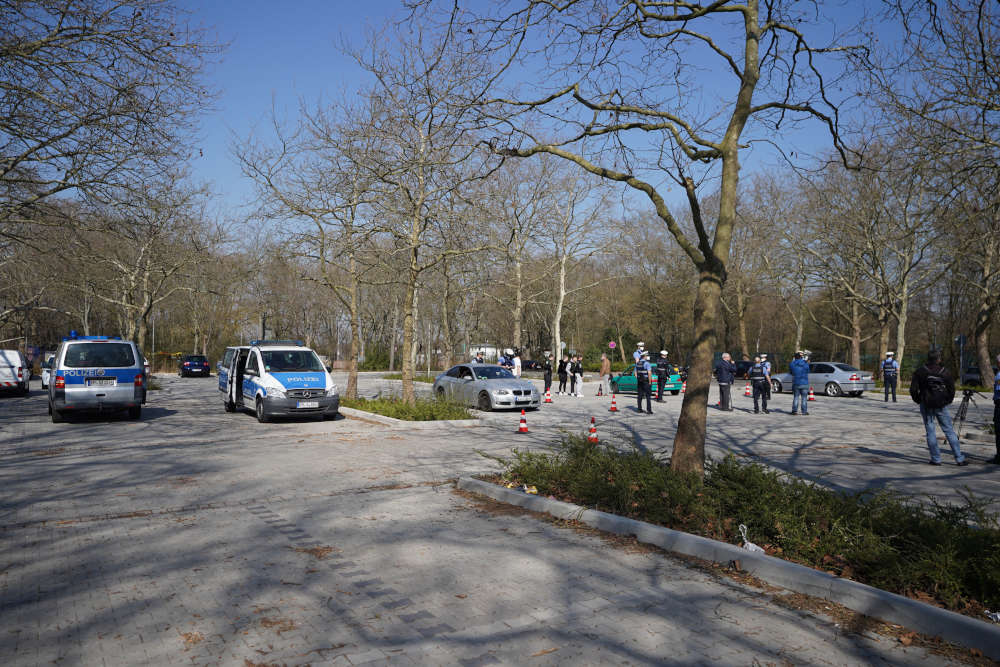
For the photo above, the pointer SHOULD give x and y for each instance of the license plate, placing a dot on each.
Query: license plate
(307, 404)
(101, 382)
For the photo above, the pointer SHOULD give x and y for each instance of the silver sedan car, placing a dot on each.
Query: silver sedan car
(486, 387)
(830, 378)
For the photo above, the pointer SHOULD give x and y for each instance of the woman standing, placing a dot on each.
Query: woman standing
(578, 376)
(547, 367)
(562, 370)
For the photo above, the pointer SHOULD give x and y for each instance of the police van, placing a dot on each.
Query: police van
(96, 373)
(277, 377)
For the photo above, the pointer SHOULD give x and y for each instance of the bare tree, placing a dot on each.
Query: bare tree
(95, 94)
(629, 100)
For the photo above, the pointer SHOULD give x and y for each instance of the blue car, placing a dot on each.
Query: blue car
(193, 365)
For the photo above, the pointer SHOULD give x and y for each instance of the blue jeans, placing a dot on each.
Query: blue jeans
(800, 394)
(943, 418)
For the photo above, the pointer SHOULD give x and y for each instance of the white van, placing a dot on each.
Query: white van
(277, 377)
(14, 372)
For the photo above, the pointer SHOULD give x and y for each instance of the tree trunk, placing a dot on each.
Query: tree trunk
(518, 304)
(855, 334)
(904, 307)
(741, 322)
(984, 314)
(409, 308)
(355, 314)
(392, 336)
(883, 336)
(446, 343)
(689, 443)
(557, 314)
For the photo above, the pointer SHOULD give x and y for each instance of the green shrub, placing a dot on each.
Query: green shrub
(948, 553)
(423, 409)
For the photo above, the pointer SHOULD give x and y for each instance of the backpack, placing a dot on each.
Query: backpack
(934, 392)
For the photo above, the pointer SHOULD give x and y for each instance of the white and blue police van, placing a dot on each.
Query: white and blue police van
(96, 373)
(277, 378)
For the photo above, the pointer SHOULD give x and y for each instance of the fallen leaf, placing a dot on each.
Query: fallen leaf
(544, 652)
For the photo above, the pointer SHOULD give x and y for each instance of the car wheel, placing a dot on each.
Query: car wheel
(259, 410)
(614, 387)
(833, 389)
(57, 417)
(484, 402)
(775, 387)
(440, 393)
(135, 413)
(26, 389)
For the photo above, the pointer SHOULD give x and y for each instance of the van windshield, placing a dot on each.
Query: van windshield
(286, 361)
(99, 355)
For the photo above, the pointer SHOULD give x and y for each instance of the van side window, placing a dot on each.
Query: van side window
(252, 363)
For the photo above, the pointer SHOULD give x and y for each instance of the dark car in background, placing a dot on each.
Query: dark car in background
(973, 378)
(192, 365)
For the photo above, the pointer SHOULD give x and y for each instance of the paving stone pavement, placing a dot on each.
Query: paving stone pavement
(200, 537)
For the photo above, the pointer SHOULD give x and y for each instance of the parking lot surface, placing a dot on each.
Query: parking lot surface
(195, 536)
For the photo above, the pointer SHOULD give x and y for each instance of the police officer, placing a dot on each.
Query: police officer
(890, 375)
(663, 368)
(760, 379)
(478, 359)
(643, 376)
(640, 347)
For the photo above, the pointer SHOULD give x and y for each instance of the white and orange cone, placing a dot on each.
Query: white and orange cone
(684, 387)
(812, 396)
(614, 406)
(548, 396)
(592, 437)
(747, 392)
(523, 427)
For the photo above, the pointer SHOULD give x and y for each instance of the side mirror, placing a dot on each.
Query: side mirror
(329, 369)
(250, 372)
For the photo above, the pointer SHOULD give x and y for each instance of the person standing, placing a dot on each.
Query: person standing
(516, 364)
(562, 371)
(643, 373)
(663, 368)
(996, 411)
(890, 375)
(605, 373)
(478, 359)
(725, 373)
(578, 375)
(760, 380)
(799, 368)
(547, 368)
(934, 389)
(640, 347)
(571, 372)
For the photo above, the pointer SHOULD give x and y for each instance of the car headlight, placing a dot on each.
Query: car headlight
(276, 392)
(502, 392)
(332, 391)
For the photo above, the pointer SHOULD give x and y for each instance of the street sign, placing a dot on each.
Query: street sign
(611, 345)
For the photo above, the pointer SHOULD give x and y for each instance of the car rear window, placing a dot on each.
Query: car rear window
(99, 355)
(195, 357)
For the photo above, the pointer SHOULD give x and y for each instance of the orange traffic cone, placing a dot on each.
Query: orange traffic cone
(614, 407)
(523, 428)
(593, 432)
(548, 396)
(684, 387)
(747, 392)
(812, 396)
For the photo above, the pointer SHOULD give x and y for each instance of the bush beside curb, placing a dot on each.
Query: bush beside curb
(923, 618)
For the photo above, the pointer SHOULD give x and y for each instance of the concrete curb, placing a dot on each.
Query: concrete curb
(403, 423)
(918, 616)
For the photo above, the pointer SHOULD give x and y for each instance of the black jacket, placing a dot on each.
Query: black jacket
(561, 370)
(725, 371)
(919, 379)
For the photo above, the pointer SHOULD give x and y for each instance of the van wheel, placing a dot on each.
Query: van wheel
(484, 402)
(135, 413)
(259, 410)
(57, 417)
(229, 405)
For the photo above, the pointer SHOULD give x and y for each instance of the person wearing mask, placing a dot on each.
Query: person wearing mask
(996, 411)
(640, 347)
(563, 372)
(760, 380)
(547, 369)
(578, 376)
(605, 373)
(663, 368)
(934, 389)
(643, 377)
(725, 373)
(890, 374)
(799, 368)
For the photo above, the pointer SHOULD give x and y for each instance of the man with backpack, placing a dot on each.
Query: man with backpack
(760, 379)
(934, 389)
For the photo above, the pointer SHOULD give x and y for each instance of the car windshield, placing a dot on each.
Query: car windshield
(195, 357)
(102, 355)
(846, 367)
(287, 361)
(492, 373)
